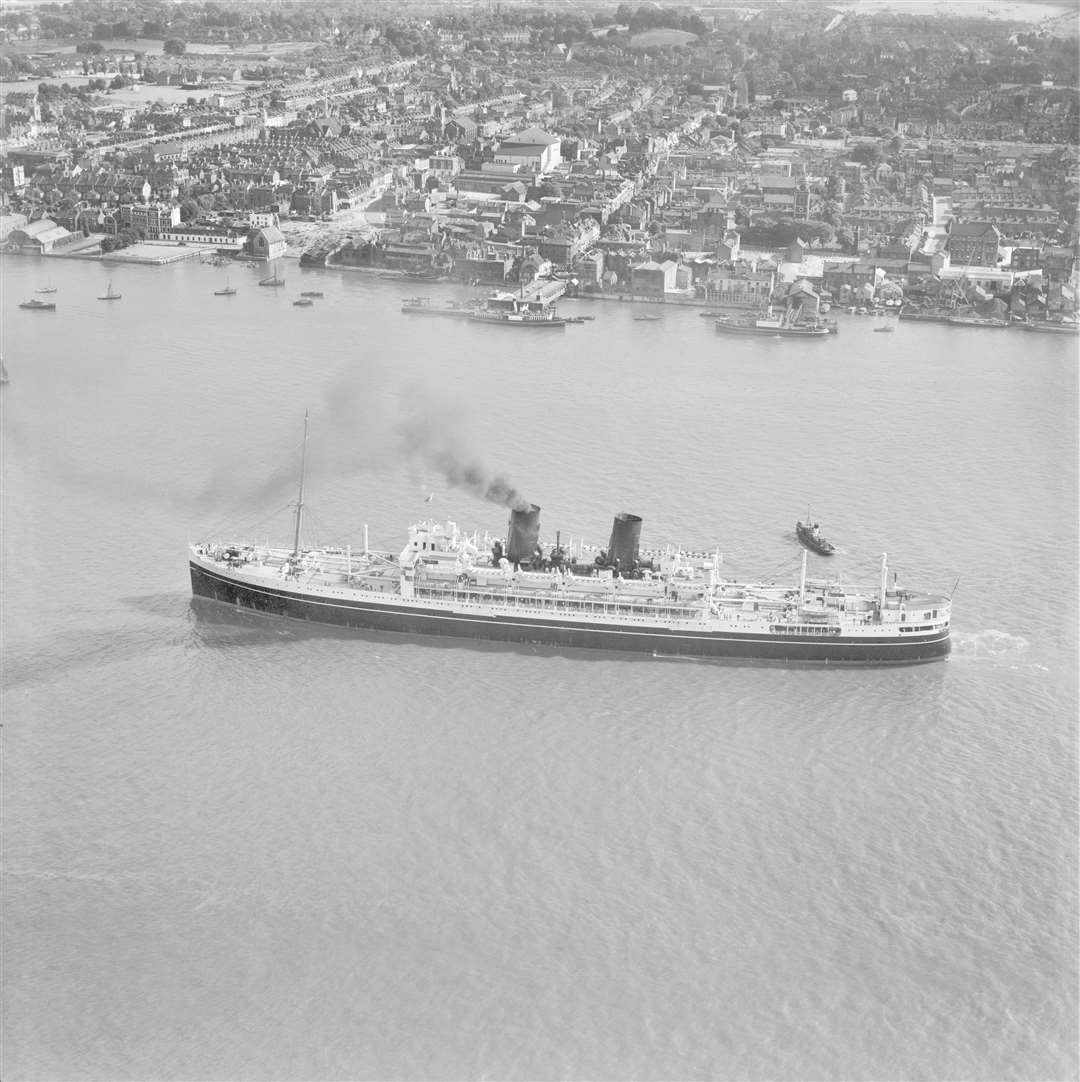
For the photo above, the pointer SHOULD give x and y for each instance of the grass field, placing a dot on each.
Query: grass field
(661, 36)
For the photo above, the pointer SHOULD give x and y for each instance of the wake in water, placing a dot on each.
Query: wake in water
(987, 645)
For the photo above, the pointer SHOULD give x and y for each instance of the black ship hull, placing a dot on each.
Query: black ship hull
(392, 615)
(812, 541)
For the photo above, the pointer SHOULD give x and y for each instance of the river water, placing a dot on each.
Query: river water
(244, 849)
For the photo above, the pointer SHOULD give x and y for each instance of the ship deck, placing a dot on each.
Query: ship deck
(823, 610)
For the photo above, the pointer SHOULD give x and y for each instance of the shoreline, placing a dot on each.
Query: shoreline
(167, 254)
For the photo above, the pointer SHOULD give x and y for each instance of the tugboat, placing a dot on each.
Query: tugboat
(665, 602)
(38, 306)
(809, 534)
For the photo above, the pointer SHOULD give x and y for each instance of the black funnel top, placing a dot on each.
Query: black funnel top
(625, 536)
(523, 534)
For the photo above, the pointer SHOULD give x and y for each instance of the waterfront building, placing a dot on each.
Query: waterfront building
(652, 279)
(989, 280)
(740, 285)
(42, 237)
(210, 235)
(152, 219)
(488, 265)
(267, 243)
(973, 243)
(565, 245)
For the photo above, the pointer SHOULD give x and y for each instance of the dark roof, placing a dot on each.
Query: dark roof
(971, 229)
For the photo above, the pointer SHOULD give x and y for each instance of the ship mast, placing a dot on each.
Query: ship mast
(300, 499)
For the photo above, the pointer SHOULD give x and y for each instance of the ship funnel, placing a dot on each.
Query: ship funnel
(523, 534)
(625, 535)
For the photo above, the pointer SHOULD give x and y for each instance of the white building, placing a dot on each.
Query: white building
(533, 149)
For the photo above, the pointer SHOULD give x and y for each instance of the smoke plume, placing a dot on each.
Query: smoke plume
(352, 431)
(428, 436)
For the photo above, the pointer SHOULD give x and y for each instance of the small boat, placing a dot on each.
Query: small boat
(38, 306)
(311, 293)
(273, 280)
(303, 302)
(228, 291)
(809, 534)
(110, 294)
(47, 288)
(886, 329)
(647, 319)
(3, 373)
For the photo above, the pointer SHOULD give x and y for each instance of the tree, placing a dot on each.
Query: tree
(173, 47)
(91, 47)
(867, 153)
(831, 212)
(189, 210)
(815, 231)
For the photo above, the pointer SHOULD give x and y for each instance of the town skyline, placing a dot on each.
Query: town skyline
(726, 145)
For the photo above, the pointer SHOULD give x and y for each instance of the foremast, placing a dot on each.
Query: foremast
(300, 496)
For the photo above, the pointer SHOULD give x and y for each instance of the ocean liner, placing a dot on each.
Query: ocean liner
(510, 589)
